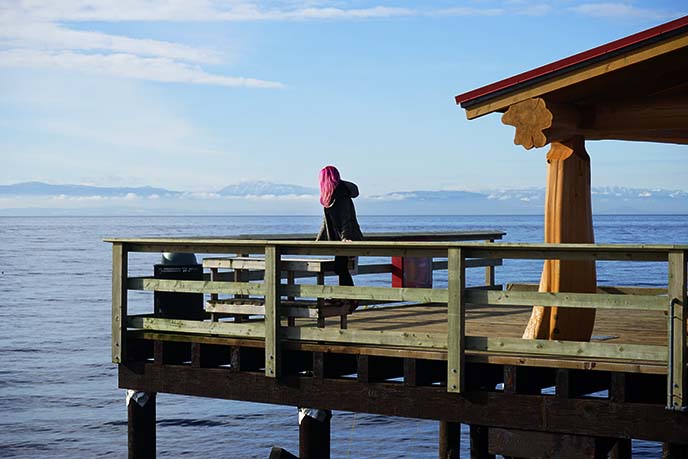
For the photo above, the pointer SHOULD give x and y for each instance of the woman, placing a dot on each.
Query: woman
(339, 223)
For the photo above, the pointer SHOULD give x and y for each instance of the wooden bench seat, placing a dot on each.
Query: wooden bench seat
(310, 265)
(240, 307)
(288, 308)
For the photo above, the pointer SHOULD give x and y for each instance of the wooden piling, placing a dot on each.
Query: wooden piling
(314, 436)
(450, 440)
(479, 443)
(279, 453)
(621, 450)
(141, 425)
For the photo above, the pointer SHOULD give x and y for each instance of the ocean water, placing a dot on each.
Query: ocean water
(58, 389)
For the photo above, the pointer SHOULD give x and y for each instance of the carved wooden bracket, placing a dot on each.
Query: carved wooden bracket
(539, 121)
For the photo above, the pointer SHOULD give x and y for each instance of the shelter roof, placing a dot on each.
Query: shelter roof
(650, 63)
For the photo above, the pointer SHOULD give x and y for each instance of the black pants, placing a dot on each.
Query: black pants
(341, 268)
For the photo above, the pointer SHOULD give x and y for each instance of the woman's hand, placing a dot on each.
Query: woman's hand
(346, 240)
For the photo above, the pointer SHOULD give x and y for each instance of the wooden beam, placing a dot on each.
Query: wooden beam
(612, 289)
(516, 443)
(570, 300)
(590, 350)
(593, 416)
(371, 337)
(239, 330)
(540, 121)
(194, 286)
(421, 295)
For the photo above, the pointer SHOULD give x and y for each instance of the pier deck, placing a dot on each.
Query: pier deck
(452, 354)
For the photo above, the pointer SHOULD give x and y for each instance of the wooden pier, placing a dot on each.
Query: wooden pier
(454, 354)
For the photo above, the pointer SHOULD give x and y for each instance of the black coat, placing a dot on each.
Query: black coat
(340, 221)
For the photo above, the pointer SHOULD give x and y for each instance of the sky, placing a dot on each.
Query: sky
(199, 94)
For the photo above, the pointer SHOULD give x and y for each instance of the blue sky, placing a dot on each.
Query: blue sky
(195, 95)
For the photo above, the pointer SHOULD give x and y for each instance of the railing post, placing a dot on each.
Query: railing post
(490, 271)
(120, 262)
(677, 396)
(272, 318)
(456, 318)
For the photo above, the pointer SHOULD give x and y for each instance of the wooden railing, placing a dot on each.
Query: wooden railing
(460, 256)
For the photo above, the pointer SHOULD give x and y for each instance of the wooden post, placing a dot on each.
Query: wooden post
(456, 318)
(450, 440)
(490, 272)
(677, 380)
(272, 318)
(622, 449)
(314, 433)
(291, 280)
(141, 424)
(568, 219)
(120, 262)
(320, 280)
(214, 296)
(479, 443)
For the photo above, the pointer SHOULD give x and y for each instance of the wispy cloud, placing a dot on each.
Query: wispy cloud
(622, 11)
(191, 10)
(50, 36)
(40, 33)
(124, 65)
(466, 11)
(37, 34)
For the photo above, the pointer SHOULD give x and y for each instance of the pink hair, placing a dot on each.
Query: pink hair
(329, 179)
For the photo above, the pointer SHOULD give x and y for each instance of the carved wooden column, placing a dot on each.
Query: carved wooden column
(568, 219)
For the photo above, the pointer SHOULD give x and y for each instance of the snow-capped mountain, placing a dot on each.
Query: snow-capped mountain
(265, 188)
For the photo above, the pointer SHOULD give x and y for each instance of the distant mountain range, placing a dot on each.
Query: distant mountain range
(262, 197)
(47, 189)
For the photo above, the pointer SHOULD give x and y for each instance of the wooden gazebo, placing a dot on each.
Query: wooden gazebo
(635, 89)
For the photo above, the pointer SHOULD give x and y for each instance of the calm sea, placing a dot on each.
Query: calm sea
(58, 389)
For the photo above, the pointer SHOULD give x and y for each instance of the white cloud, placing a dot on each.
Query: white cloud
(37, 34)
(188, 10)
(621, 10)
(467, 11)
(49, 36)
(126, 66)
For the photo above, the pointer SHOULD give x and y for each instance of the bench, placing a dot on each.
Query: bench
(241, 306)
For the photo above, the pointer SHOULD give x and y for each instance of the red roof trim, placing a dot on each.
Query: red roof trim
(576, 59)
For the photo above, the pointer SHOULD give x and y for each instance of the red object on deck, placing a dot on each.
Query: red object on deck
(412, 272)
(562, 65)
